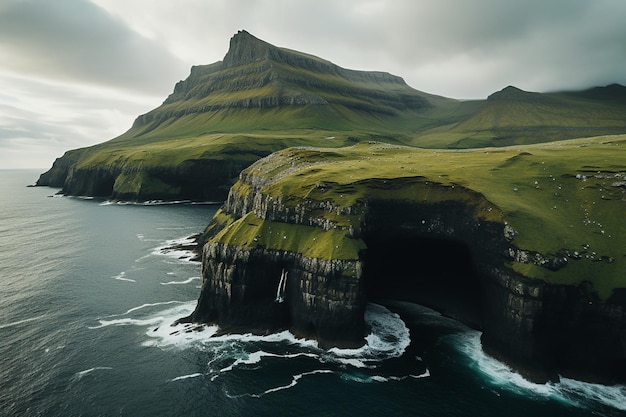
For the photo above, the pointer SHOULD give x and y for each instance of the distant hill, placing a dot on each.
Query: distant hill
(261, 98)
(515, 117)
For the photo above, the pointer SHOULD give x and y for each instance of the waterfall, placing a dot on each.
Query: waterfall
(282, 284)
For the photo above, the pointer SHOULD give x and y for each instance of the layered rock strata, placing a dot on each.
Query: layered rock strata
(541, 329)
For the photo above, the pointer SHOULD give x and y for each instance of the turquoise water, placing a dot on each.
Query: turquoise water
(88, 296)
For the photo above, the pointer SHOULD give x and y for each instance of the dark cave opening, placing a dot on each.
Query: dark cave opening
(436, 273)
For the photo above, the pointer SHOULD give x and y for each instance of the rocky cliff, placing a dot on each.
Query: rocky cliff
(343, 227)
(130, 181)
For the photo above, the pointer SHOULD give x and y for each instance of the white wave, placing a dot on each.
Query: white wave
(185, 335)
(164, 202)
(163, 303)
(250, 359)
(165, 333)
(143, 257)
(127, 322)
(389, 338)
(122, 277)
(17, 323)
(59, 347)
(187, 281)
(140, 203)
(369, 379)
(147, 305)
(256, 357)
(186, 240)
(612, 396)
(426, 374)
(171, 249)
(180, 378)
(230, 353)
(497, 372)
(566, 390)
(294, 381)
(81, 374)
(142, 238)
(365, 379)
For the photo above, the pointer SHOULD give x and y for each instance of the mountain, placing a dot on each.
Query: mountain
(257, 75)
(514, 117)
(261, 98)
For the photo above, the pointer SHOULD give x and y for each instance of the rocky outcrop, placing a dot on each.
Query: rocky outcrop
(187, 181)
(56, 176)
(541, 329)
(321, 298)
(547, 330)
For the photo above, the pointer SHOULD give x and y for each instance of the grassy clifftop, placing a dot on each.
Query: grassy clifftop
(564, 199)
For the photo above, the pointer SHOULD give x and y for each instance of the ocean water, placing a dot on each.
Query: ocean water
(89, 294)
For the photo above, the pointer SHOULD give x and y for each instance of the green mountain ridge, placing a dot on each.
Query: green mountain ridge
(515, 117)
(257, 75)
(261, 98)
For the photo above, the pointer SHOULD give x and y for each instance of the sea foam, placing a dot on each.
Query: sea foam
(187, 281)
(173, 249)
(81, 374)
(228, 353)
(570, 391)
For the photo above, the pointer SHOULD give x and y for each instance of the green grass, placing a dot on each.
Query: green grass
(534, 188)
(252, 232)
(532, 118)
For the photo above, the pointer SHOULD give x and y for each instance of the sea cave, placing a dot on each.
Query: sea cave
(435, 272)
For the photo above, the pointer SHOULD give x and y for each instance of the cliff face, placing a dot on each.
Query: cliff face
(331, 253)
(242, 291)
(129, 181)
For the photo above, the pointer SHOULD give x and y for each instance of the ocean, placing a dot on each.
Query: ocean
(89, 292)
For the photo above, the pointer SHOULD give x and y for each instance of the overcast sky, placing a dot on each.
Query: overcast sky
(77, 72)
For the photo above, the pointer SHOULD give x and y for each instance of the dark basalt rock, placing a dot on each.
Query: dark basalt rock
(540, 329)
(240, 293)
(186, 181)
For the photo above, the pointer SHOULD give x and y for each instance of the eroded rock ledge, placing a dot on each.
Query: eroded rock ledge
(280, 220)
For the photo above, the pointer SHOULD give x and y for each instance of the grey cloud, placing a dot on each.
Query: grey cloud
(457, 48)
(76, 41)
(463, 49)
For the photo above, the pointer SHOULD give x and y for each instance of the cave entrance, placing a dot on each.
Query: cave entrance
(436, 273)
